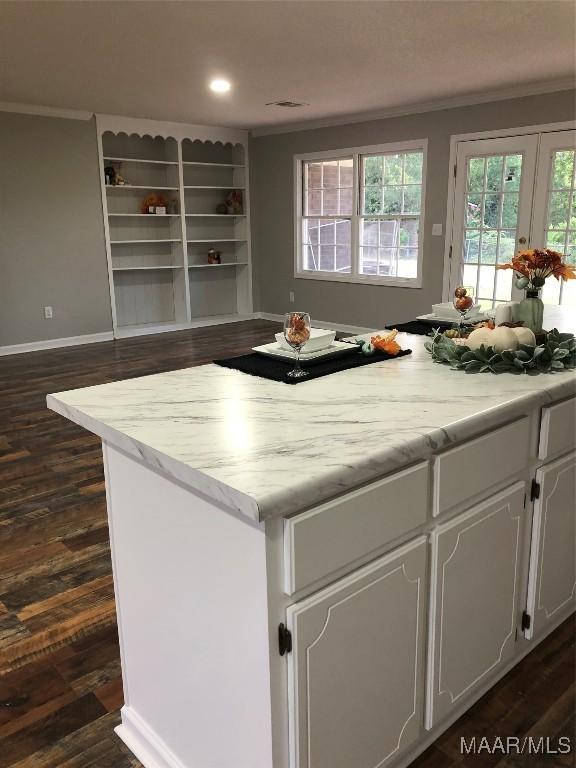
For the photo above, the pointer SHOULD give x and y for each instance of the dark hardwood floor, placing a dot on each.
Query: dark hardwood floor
(60, 686)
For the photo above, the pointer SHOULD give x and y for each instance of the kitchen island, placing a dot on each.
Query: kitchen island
(327, 575)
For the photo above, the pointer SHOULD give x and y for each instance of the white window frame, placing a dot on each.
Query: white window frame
(356, 215)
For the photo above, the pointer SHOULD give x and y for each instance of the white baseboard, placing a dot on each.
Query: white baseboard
(67, 341)
(353, 329)
(144, 743)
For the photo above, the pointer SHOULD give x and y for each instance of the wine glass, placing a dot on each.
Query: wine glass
(297, 333)
(463, 301)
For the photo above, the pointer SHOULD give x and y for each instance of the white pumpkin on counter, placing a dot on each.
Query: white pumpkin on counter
(498, 338)
(524, 336)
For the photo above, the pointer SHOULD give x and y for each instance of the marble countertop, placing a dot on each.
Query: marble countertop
(267, 449)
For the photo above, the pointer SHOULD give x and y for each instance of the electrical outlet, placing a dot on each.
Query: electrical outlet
(291, 295)
(436, 229)
(48, 313)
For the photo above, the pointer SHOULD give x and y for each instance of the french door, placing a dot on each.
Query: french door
(511, 194)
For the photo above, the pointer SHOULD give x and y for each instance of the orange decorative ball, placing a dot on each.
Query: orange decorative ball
(460, 293)
(463, 303)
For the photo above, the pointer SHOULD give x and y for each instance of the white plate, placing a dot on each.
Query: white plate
(320, 338)
(432, 318)
(336, 349)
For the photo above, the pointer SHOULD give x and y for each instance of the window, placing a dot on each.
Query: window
(358, 214)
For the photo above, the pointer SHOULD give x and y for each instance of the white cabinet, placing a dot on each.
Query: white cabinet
(356, 669)
(552, 580)
(475, 591)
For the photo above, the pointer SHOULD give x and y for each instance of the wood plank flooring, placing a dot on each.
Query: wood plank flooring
(60, 685)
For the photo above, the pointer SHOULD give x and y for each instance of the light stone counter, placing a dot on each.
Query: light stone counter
(268, 449)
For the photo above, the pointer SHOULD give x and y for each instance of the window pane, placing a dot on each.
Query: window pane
(489, 246)
(407, 262)
(476, 174)
(512, 173)
(411, 199)
(343, 232)
(562, 173)
(327, 258)
(328, 187)
(473, 210)
(392, 169)
(503, 284)
(368, 260)
(506, 246)
(491, 216)
(392, 200)
(373, 170)
(494, 167)
(413, 168)
(510, 210)
(373, 200)
(472, 245)
(558, 210)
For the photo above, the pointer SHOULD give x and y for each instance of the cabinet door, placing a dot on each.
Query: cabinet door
(356, 669)
(474, 598)
(552, 580)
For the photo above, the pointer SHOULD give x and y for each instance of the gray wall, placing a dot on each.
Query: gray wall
(273, 208)
(52, 249)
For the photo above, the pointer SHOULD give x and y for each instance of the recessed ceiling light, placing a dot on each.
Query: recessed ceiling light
(219, 85)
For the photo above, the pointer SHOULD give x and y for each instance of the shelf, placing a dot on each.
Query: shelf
(213, 165)
(139, 160)
(144, 186)
(215, 215)
(231, 187)
(218, 240)
(224, 264)
(148, 215)
(132, 242)
(131, 269)
(144, 329)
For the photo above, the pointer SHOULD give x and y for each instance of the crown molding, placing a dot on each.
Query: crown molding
(36, 109)
(454, 102)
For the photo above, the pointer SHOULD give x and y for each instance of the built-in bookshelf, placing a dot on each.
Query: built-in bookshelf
(171, 194)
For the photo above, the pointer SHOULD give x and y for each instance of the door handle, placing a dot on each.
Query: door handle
(522, 240)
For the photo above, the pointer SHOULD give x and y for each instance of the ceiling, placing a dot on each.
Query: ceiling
(154, 59)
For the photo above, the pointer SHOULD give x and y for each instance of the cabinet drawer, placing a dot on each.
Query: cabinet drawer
(476, 466)
(558, 429)
(334, 535)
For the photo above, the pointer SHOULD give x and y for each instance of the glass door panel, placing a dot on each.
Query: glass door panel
(494, 183)
(554, 220)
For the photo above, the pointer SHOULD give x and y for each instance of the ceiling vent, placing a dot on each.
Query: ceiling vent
(287, 104)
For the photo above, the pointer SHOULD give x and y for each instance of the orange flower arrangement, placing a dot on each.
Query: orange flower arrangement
(538, 264)
(386, 343)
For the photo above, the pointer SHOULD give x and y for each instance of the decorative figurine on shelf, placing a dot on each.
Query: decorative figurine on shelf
(234, 202)
(110, 175)
(152, 202)
(214, 256)
(112, 178)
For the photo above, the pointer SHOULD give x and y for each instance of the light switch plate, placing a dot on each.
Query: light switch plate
(436, 229)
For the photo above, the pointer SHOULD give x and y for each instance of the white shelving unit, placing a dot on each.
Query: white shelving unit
(159, 275)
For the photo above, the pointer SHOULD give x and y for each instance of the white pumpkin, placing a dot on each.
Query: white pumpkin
(499, 338)
(524, 336)
(480, 336)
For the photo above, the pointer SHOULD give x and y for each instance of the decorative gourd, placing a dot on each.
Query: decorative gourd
(524, 336)
(499, 339)
(478, 337)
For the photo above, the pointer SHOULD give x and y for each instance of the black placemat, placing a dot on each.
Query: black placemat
(276, 370)
(419, 327)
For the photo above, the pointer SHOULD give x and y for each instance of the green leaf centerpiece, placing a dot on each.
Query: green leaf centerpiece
(557, 353)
